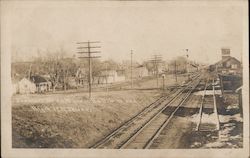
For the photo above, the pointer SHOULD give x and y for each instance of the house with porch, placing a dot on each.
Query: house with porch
(42, 84)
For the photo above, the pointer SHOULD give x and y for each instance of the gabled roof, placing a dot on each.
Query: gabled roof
(16, 78)
(226, 59)
(38, 79)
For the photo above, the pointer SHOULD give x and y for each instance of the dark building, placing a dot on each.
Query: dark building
(229, 70)
(228, 65)
(42, 84)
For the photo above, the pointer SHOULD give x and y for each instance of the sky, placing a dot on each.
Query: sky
(147, 28)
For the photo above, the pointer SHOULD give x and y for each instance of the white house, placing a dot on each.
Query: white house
(141, 71)
(24, 86)
(110, 76)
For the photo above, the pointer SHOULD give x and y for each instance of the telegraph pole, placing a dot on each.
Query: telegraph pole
(131, 69)
(30, 72)
(175, 71)
(156, 60)
(86, 48)
(106, 65)
(187, 63)
(163, 82)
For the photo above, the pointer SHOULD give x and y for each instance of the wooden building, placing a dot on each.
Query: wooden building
(227, 65)
(23, 86)
(42, 84)
(109, 76)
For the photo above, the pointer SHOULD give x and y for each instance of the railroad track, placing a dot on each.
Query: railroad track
(152, 115)
(146, 136)
(208, 115)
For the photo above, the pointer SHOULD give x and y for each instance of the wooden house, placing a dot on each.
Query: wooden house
(109, 76)
(42, 84)
(23, 86)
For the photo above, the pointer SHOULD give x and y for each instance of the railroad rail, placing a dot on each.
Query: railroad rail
(124, 134)
(208, 107)
(145, 137)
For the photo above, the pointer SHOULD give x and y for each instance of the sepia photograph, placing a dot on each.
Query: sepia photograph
(86, 76)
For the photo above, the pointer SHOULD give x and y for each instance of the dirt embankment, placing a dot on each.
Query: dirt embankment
(72, 121)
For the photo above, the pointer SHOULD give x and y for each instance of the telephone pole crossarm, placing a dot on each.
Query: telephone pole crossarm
(88, 47)
(88, 51)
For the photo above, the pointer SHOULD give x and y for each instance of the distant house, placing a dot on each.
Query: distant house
(73, 82)
(23, 86)
(42, 84)
(110, 76)
(140, 71)
(80, 78)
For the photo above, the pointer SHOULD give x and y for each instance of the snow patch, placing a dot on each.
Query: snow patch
(214, 145)
(195, 118)
(208, 92)
(233, 106)
(209, 118)
(196, 144)
(227, 118)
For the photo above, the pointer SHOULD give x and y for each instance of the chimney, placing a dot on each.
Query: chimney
(225, 53)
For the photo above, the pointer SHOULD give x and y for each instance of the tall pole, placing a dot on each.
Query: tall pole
(30, 72)
(157, 71)
(187, 63)
(175, 70)
(163, 82)
(106, 77)
(90, 70)
(131, 69)
(87, 50)
(156, 60)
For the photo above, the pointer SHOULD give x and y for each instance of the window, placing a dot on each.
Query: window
(234, 66)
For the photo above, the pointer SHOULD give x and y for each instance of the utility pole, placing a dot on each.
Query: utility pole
(175, 71)
(131, 69)
(163, 82)
(87, 49)
(156, 60)
(106, 64)
(30, 72)
(187, 63)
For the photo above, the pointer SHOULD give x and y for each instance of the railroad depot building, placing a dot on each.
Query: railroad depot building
(229, 70)
(228, 64)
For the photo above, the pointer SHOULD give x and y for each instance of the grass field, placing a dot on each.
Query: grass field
(71, 120)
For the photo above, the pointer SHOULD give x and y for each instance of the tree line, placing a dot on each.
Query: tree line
(59, 69)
